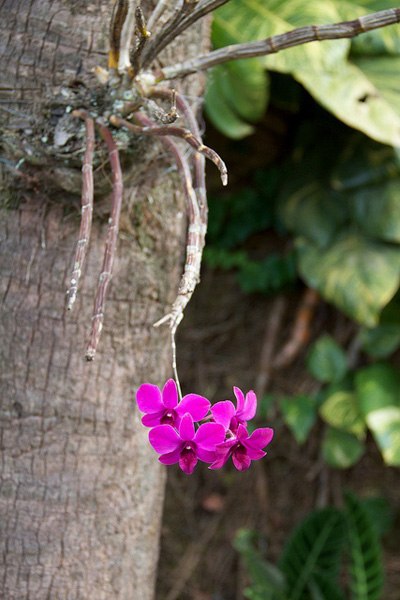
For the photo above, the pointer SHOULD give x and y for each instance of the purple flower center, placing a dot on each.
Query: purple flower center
(169, 417)
(188, 458)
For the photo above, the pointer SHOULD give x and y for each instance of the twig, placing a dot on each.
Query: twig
(121, 32)
(143, 35)
(157, 13)
(111, 243)
(86, 208)
(180, 132)
(275, 43)
(300, 331)
(199, 181)
(270, 338)
(179, 23)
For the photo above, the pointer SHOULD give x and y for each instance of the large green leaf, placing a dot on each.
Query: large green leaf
(353, 98)
(340, 449)
(314, 211)
(366, 568)
(358, 275)
(314, 548)
(358, 91)
(378, 389)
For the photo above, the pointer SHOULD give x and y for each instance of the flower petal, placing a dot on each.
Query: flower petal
(171, 458)
(194, 404)
(152, 419)
(209, 435)
(206, 455)
(249, 408)
(223, 412)
(186, 428)
(242, 433)
(164, 438)
(148, 398)
(260, 438)
(188, 461)
(170, 394)
(242, 461)
(239, 398)
(255, 454)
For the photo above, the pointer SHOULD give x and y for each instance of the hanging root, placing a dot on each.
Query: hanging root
(86, 208)
(111, 243)
(179, 132)
(195, 237)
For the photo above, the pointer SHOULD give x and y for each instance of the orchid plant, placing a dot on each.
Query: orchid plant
(189, 429)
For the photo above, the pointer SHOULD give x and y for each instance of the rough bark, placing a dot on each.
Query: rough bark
(80, 489)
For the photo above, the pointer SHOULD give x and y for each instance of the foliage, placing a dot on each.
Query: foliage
(312, 559)
(351, 403)
(355, 80)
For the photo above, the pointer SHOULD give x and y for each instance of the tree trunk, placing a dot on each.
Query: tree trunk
(81, 489)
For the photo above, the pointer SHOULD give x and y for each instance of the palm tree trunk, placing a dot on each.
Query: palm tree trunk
(80, 489)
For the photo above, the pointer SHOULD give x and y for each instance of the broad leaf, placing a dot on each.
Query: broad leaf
(378, 389)
(358, 275)
(358, 91)
(299, 414)
(340, 449)
(366, 569)
(341, 410)
(268, 582)
(354, 99)
(380, 341)
(326, 361)
(314, 548)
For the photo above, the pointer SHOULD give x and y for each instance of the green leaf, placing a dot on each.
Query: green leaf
(299, 414)
(376, 210)
(378, 389)
(341, 410)
(313, 211)
(380, 513)
(326, 361)
(324, 588)
(220, 112)
(341, 449)
(313, 548)
(381, 341)
(359, 276)
(352, 97)
(366, 569)
(268, 582)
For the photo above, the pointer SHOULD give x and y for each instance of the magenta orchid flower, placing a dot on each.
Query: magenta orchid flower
(163, 408)
(230, 417)
(188, 446)
(243, 448)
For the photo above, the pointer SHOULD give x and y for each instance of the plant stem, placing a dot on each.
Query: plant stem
(275, 43)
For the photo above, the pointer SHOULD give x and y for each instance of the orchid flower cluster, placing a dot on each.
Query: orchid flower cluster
(190, 430)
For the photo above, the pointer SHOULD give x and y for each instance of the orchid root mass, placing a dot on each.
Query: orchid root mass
(190, 430)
